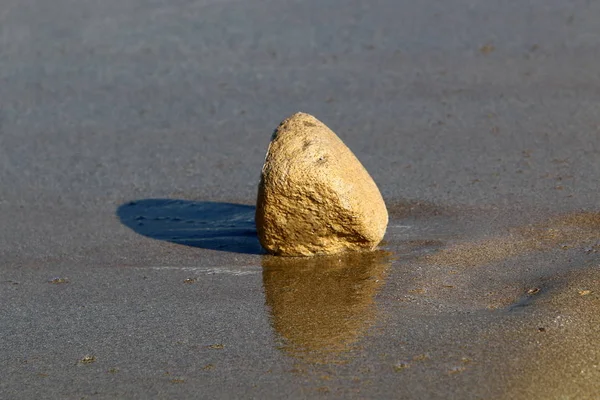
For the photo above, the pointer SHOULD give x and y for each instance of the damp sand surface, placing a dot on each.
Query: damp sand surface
(504, 311)
(451, 305)
(131, 140)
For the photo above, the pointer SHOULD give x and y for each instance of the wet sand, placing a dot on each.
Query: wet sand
(131, 140)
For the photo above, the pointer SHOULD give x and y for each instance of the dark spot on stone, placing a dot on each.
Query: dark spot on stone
(306, 144)
(321, 160)
(306, 123)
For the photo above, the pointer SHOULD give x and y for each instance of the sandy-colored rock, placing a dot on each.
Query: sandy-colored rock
(314, 196)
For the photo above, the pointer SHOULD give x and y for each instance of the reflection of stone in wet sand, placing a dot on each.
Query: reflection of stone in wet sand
(575, 229)
(322, 305)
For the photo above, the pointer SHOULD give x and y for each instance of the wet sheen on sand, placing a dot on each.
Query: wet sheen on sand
(132, 136)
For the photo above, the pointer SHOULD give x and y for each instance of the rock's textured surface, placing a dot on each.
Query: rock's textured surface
(314, 196)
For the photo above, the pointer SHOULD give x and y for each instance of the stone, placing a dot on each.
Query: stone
(314, 196)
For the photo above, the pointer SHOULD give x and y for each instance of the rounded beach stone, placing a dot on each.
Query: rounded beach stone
(314, 196)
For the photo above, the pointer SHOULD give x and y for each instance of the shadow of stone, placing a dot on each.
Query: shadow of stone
(204, 224)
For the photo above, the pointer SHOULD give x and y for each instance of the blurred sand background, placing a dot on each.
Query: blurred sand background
(132, 134)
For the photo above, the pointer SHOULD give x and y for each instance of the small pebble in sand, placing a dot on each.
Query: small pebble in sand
(533, 291)
(421, 357)
(487, 49)
(584, 292)
(58, 280)
(314, 196)
(87, 360)
(456, 370)
(401, 366)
